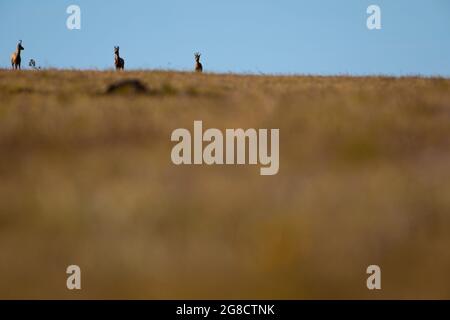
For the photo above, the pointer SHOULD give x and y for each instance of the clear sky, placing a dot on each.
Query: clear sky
(257, 36)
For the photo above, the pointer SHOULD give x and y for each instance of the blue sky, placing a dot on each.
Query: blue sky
(244, 36)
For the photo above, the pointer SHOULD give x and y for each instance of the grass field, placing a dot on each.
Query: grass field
(86, 178)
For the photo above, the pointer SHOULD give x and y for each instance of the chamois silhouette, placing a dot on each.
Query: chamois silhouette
(198, 65)
(15, 57)
(118, 61)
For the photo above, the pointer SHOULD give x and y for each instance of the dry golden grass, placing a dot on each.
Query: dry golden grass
(86, 178)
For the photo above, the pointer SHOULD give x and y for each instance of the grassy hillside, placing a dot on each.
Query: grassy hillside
(86, 178)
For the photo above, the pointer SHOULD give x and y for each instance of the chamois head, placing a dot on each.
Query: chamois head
(116, 50)
(197, 56)
(19, 46)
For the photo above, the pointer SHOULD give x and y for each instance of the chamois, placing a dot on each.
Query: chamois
(198, 65)
(15, 57)
(118, 61)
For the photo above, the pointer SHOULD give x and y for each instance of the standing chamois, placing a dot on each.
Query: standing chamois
(118, 61)
(15, 57)
(198, 65)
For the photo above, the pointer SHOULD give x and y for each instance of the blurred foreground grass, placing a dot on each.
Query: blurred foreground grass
(86, 178)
